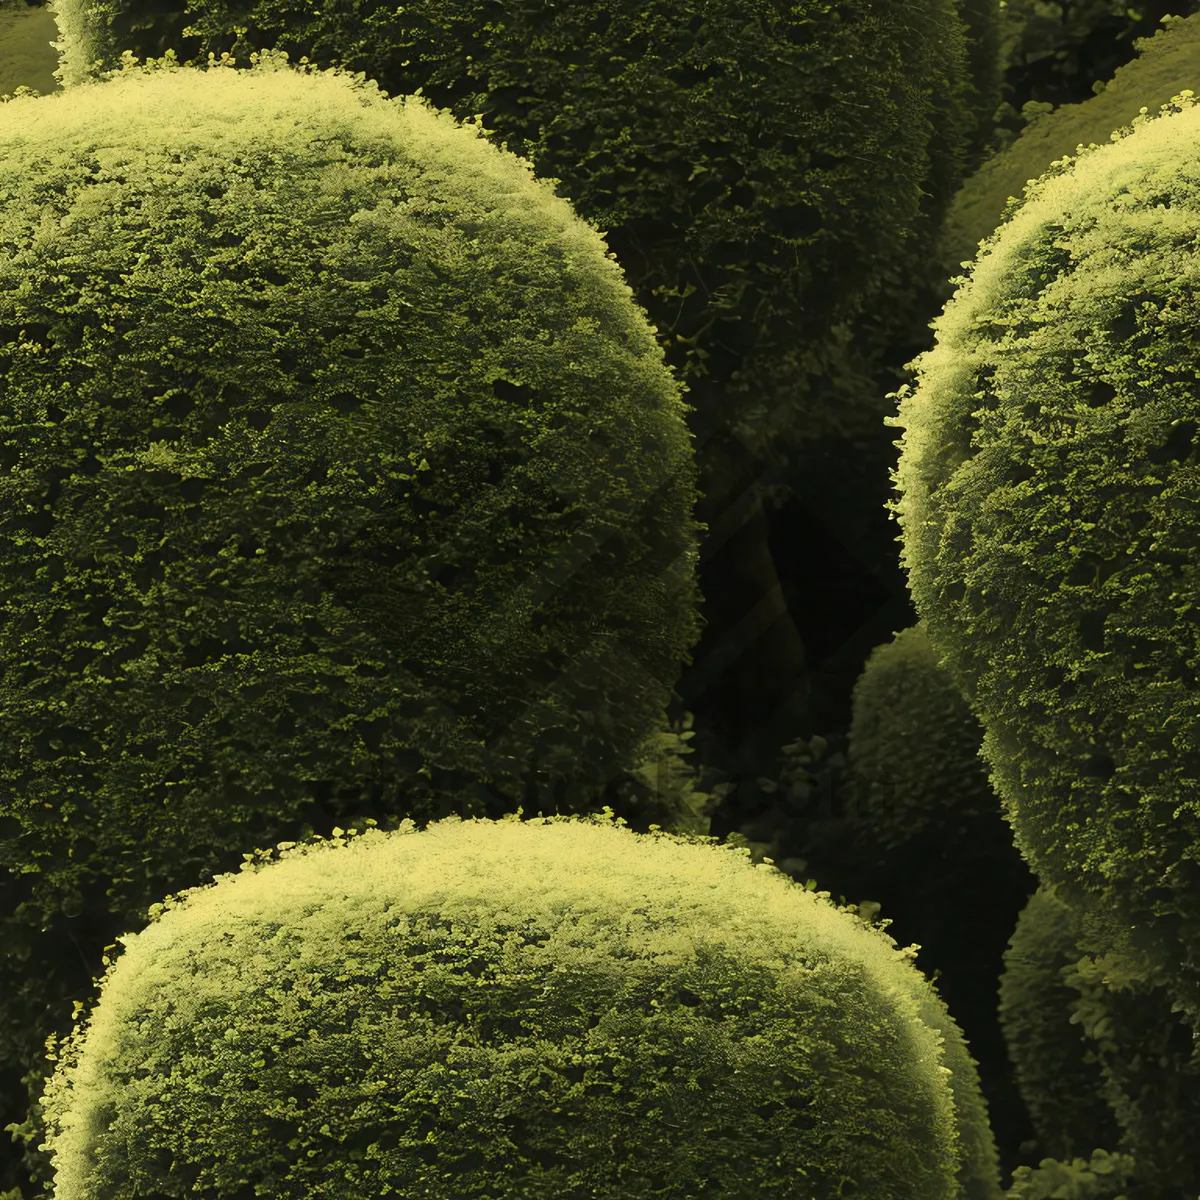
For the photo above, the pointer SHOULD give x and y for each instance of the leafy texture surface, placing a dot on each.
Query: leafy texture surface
(1048, 493)
(758, 167)
(515, 1008)
(335, 455)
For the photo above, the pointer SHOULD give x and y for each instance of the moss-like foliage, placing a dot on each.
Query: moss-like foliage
(1047, 499)
(758, 167)
(1056, 1068)
(1101, 1058)
(336, 456)
(512, 1008)
(1104, 1176)
(37, 996)
(1144, 1045)
(978, 1174)
(1165, 64)
(914, 745)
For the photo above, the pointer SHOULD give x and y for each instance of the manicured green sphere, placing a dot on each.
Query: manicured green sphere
(336, 454)
(913, 745)
(512, 1008)
(1048, 498)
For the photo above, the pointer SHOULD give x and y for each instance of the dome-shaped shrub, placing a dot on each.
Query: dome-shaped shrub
(1102, 1059)
(337, 458)
(1058, 1073)
(761, 170)
(926, 836)
(1047, 497)
(914, 745)
(514, 1008)
(1165, 64)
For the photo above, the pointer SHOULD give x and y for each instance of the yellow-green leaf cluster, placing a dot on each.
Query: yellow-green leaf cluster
(514, 1008)
(336, 455)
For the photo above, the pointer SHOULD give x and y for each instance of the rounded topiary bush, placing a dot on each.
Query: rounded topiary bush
(514, 1008)
(913, 745)
(342, 477)
(1101, 1059)
(1047, 496)
(1165, 64)
(1144, 1045)
(763, 170)
(663, 790)
(924, 835)
(1057, 1071)
(336, 455)
(770, 177)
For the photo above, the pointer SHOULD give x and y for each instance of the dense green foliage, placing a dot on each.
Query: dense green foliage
(1165, 64)
(757, 211)
(1046, 501)
(914, 745)
(307, 515)
(1059, 1074)
(1144, 1045)
(1102, 1177)
(341, 473)
(1061, 52)
(1039, 393)
(515, 1008)
(110, 865)
(1093, 991)
(1102, 1058)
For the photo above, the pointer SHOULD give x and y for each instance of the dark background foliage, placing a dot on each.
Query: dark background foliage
(958, 890)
